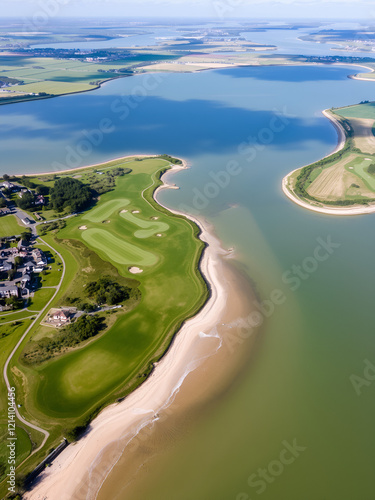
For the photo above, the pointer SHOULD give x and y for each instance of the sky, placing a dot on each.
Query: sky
(287, 9)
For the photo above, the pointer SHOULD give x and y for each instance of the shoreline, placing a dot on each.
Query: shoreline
(123, 421)
(86, 167)
(325, 209)
(238, 65)
(356, 77)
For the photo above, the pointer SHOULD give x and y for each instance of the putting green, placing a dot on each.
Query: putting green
(116, 249)
(99, 367)
(149, 228)
(104, 211)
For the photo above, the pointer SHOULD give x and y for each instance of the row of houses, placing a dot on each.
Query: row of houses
(34, 261)
(23, 291)
(38, 198)
(12, 187)
(16, 188)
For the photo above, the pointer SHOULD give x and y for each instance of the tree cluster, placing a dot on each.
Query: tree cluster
(107, 291)
(82, 329)
(51, 226)
(107, 182)
(26, 202)
(72, 194)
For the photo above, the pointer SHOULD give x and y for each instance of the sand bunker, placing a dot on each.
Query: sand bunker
(159, 235)
(135, 211)
(82, 228)
(135, 270)
(154, 218)
(123, 211)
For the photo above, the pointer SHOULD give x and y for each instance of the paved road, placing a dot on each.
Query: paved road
(6, 366)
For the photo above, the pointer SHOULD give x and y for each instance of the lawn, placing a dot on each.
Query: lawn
(40, 299)
(9, 226)
(5, 317)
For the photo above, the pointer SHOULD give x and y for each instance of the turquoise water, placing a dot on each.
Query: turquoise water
(298, 385)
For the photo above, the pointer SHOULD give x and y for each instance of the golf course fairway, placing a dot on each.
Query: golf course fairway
(116, 249)
(64, 391)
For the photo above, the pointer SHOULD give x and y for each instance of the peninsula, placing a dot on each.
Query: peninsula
(343, 183)
(108, 287)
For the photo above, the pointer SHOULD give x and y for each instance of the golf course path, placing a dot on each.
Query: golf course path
(5, 371)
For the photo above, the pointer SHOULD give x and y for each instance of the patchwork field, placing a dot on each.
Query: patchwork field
(72, 386)
(333, 181)
(55, 76)
(344, 178)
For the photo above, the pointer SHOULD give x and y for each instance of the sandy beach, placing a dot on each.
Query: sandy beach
(82, 467)
(354, 210)
(340, 132)
(356, 77)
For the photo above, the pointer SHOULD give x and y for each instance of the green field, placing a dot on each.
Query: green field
(65, 391)
(9, 226)
(52, 76)
(358, 111)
